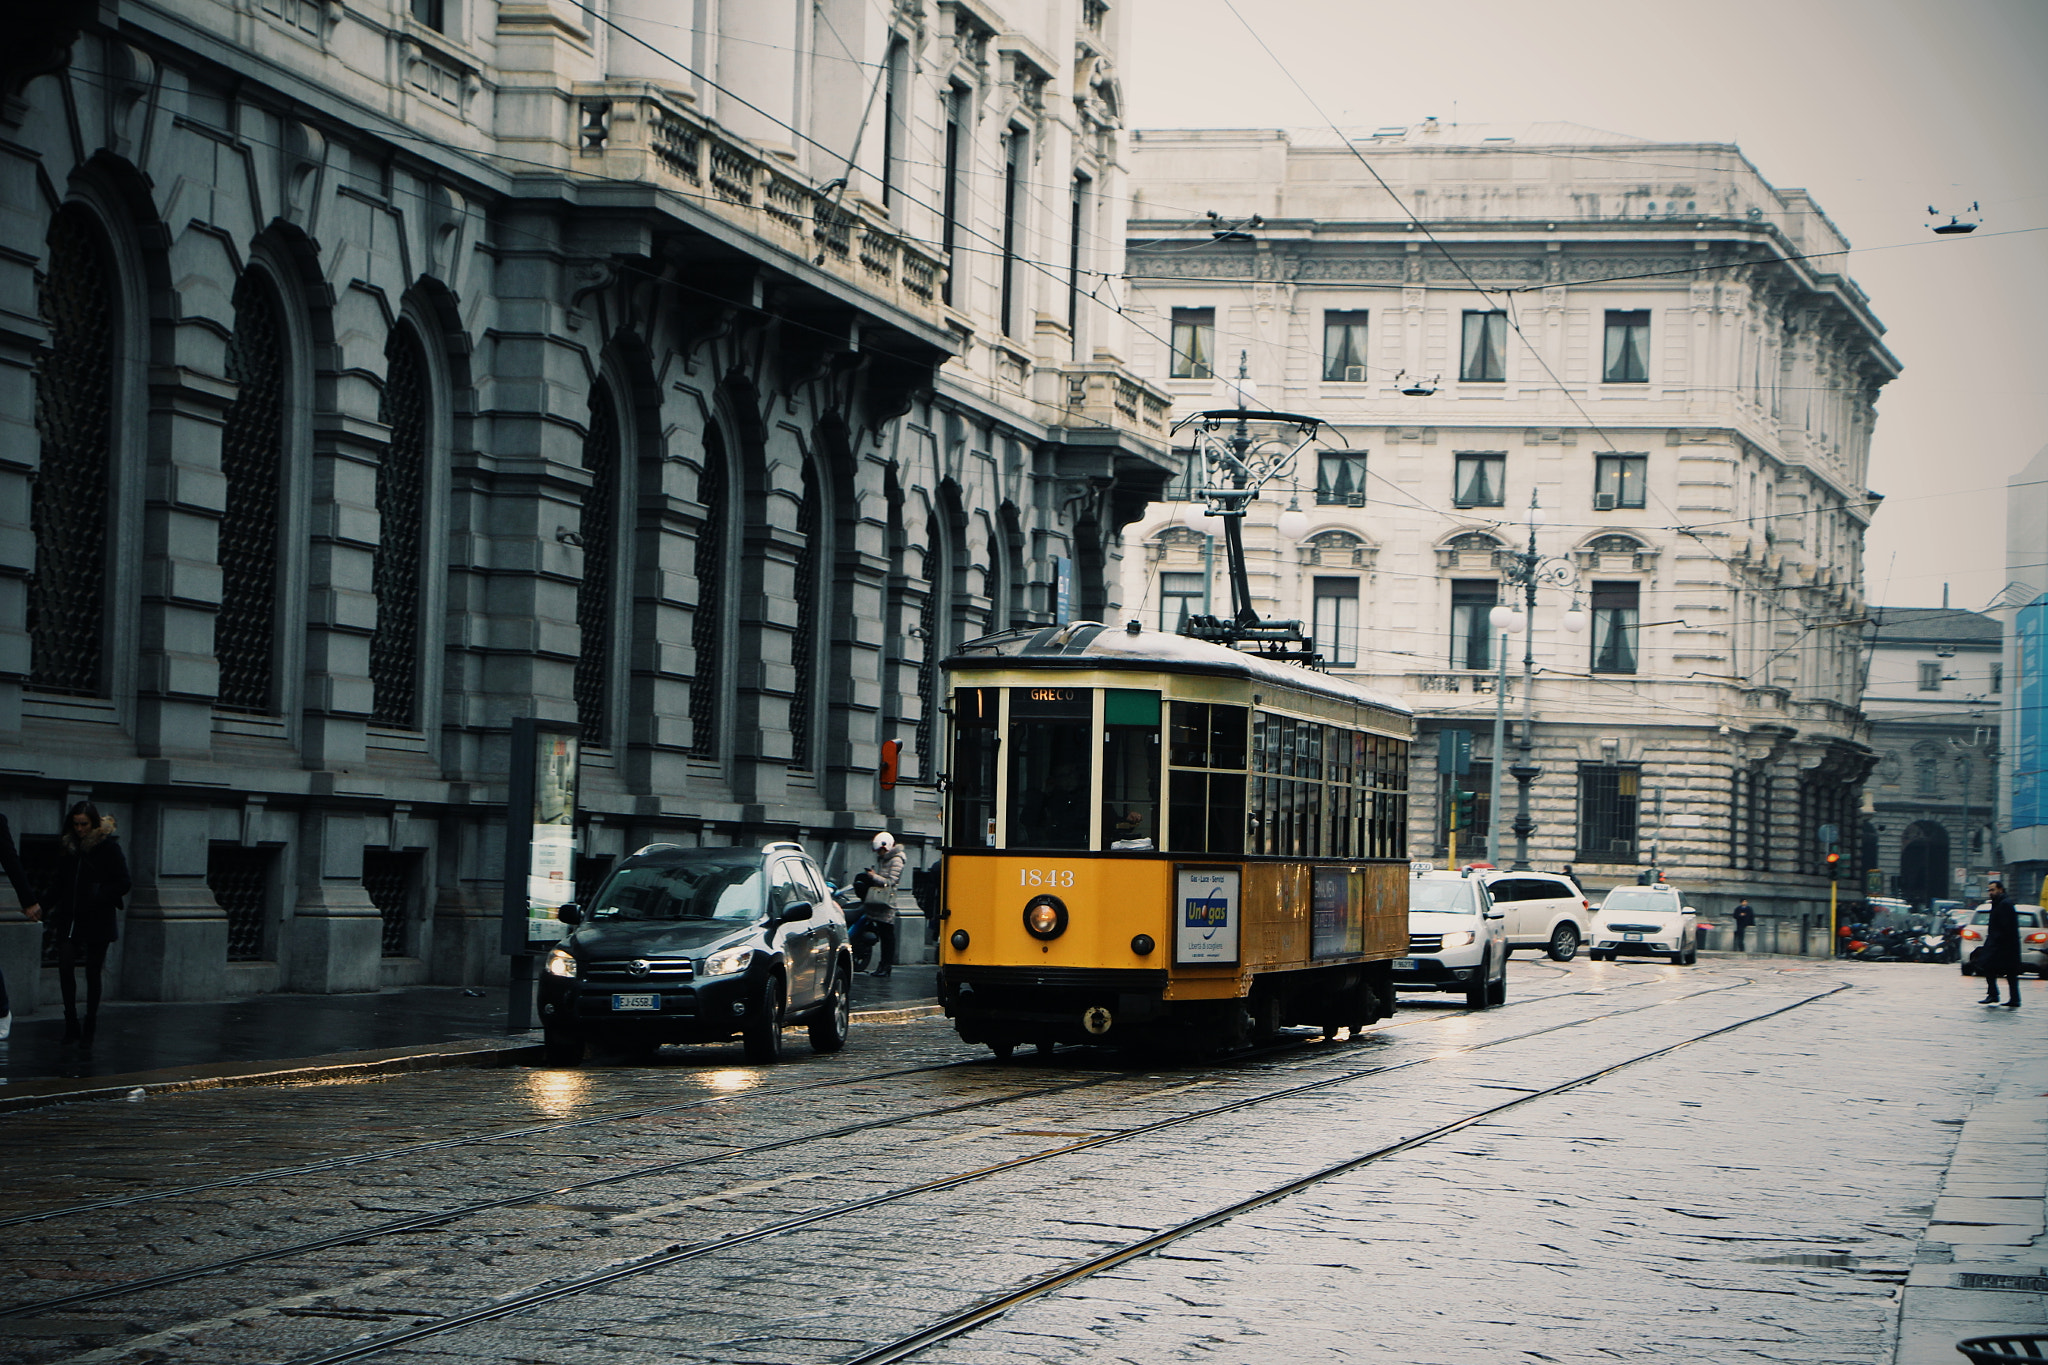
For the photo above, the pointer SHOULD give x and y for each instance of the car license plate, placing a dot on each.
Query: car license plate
(1404, 964)
(636, 1002)
(1633, 938)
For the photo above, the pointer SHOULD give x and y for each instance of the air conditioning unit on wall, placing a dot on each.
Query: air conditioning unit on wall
(1603, 502)
(1354, 374)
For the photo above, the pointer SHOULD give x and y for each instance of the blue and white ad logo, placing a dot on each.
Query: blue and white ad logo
(1205, 922)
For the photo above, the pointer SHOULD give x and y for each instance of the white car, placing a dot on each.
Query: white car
(1457, 940)
(1645, 921)
(1545, 910)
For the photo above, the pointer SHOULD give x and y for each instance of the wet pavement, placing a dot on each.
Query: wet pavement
(158, 1041)
(1738, 1162)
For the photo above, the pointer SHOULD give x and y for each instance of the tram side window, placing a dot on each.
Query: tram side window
(1130, 768)
(1206, 808)
(1049, 767)
(973, 785)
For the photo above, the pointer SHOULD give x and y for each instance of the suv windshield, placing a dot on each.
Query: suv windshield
(707, 889)
(1443, 898)
(1658, 900)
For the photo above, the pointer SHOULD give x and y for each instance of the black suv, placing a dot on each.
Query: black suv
(695, 945)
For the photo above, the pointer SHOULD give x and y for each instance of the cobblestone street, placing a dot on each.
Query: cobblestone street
(1733, 1162)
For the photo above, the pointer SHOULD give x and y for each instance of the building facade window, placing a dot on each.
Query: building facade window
(1344, 346)
(1997, 678)
(1930, 675)
(432, 13)
(1620, 481)
(1077, 222)
(950, 193)
(1616, 613)
(1472, 599)
(707, 624)
(1484, 355)
(1481, 480)
(803, 646)
(1182, 595)
(1340, 478)
(1609, 794)
(397, 569)
(1627, 359)
(895, 78)
(1194, 343)
(74, 392)
(1336, 620)
(598, 531)
(1014, 149)
(252, 465)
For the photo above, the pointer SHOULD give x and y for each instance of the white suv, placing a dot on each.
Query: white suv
(1457, 940)
(1648, 921)
(1545, 910)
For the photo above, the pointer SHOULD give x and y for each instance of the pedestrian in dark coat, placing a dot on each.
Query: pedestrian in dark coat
(1744, 919)
(79, 910)
(17, 877)
(2000, 955)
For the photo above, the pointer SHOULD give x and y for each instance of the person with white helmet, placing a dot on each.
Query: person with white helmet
(881, 899)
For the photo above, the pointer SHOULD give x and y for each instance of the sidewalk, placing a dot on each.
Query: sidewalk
(1982, 1266)
(269, 1039)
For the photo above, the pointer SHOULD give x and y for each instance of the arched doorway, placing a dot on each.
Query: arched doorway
(1923, 861)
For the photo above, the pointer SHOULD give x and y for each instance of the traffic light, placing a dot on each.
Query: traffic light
(1834, 861)
(892, 762)
(1461, 809)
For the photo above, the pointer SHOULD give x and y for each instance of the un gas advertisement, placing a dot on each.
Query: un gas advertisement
(1205, 916)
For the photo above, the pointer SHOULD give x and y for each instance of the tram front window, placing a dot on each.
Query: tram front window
(1130, 769)
(974, 767)
(1050, 773)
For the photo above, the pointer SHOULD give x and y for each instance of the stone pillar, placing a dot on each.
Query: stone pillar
(175, 939)
(336, 939)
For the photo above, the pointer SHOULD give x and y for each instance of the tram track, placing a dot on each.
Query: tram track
(682, 1253)
(411, 1149)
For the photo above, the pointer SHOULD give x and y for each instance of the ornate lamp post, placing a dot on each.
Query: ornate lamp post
(1525, 569)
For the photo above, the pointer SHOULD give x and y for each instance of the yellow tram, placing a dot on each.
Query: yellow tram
(1156, 839)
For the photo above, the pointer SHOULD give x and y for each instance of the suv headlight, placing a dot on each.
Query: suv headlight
(560, 962)
(728, 961)
(1458, 938)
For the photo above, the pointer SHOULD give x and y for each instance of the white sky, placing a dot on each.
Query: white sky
(1879, 107)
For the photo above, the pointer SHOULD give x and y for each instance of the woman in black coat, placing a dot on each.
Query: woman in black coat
(79, 910)
(2000, 955)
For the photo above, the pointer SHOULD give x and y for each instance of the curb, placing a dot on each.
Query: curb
(472, 1052)
(475, 1052)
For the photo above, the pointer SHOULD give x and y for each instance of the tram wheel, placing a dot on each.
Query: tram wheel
(1003, 1049)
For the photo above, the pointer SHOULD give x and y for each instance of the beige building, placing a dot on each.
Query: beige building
(1651, 340)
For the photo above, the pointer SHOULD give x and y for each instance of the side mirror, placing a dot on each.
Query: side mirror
(1687, 910)
(796, 910)
(571, 913)
(1495, 912)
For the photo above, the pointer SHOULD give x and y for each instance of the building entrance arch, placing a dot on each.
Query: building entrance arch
(1923, 862)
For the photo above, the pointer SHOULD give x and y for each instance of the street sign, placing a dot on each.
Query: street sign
(1454, 752)
(1830, 834)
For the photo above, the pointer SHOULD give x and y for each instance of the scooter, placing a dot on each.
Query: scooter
(860, 935)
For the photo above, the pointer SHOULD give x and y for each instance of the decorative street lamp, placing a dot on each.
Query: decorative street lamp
(1525, 569)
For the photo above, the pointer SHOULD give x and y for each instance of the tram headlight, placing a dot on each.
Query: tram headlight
(1458, 938)
(1045, 917)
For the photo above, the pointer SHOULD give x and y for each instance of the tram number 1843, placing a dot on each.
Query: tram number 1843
(1050, 876)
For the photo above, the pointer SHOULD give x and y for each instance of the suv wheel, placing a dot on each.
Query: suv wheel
(1564, 943)
(1481, 993)
(764, 1027)
(561, 1046)
(828, 1025)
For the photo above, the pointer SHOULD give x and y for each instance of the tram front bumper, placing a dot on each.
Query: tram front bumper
(1065, 1002)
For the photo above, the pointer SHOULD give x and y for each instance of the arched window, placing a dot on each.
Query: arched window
(74, 387)
(594, 594)
(1474, 541)
(397, 570)
(803, 646)
(707, 627)
(1337, 549)
(252, 465)
(1615, 545)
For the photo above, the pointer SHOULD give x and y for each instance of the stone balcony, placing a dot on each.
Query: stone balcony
(638, 132)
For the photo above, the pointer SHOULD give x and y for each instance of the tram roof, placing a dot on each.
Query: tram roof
(1090, 644)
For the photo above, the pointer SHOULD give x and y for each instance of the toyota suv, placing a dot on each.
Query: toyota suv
(1544, 910)
(1457, 940)
(697, 945)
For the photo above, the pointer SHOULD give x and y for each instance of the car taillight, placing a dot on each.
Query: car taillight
(2037, 938)
(1972, 933)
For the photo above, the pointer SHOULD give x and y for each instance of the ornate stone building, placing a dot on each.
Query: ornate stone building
(1937, 683)
(1650, 339)
(693, 376)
